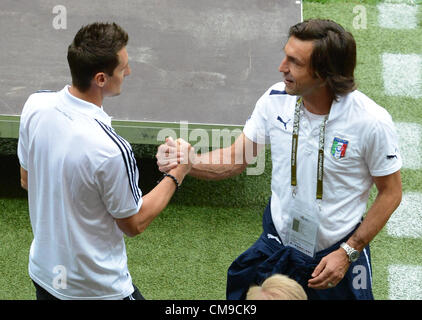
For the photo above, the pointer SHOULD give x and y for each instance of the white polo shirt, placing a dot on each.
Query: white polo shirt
(360, 142)
(81, 176)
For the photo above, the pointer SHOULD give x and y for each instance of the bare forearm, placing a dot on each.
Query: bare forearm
(374, 221)
(24, 178)
(386, 202)
(153, 204)
(216, 165)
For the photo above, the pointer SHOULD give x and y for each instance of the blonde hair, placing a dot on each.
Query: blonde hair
(277, 287)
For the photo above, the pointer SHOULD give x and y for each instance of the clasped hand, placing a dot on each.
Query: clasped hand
(175, 154)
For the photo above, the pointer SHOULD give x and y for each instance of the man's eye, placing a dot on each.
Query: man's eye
(292, 60)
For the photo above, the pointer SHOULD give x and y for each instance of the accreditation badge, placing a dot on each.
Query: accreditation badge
(303, 229)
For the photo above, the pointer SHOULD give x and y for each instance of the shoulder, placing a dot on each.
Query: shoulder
(277, 89)
(368, 119)
(368, 109)
(356, 110)
(43, 95)
(111, 141)
(276, 96)
(90, 143)
(40, 100)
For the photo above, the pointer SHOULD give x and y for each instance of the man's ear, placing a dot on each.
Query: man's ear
(100, 79)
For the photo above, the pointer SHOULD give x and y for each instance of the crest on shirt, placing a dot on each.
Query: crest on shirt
(338, 149)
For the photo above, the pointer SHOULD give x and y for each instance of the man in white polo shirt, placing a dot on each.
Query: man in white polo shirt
(82, 178)
(329, 144)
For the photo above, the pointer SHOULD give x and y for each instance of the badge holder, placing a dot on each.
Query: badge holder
(303, 229)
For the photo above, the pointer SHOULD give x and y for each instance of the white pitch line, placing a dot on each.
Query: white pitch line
(406, 221)
(410, 144)
(402, 74)
(397, 16)
(411, 2)
(405, 282)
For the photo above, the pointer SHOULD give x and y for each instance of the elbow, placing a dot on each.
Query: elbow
(238, 169)
(131, 226)
(133, 231)
(24, 184)
(139, 229)
(24, 178)
(395, 198)
(399, 196)
(130, 234)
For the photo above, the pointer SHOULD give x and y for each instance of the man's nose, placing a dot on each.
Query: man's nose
(283, 66)
(128, 71)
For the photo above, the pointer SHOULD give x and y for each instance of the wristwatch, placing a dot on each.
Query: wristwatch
(352, 253)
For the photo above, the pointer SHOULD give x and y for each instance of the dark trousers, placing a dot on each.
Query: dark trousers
(43, 294)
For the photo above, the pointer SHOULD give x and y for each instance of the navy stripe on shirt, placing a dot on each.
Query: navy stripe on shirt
(128, 158)
(277, 92)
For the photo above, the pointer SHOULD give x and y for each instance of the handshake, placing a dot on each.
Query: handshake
(176, 155)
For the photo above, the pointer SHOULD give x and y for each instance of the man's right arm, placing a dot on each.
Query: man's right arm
(153, 203)
(24, 178)
(158, 198)
(215, 165)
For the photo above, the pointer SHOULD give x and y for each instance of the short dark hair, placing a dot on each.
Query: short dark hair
(334, 55)
(94, 49)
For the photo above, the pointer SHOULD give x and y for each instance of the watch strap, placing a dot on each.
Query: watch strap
(349, 250)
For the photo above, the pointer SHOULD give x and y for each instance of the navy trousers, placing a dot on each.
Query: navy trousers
(268, 256)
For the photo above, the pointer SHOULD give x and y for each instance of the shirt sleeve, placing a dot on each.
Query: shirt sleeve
(382, 153)
(117, 181)
(256, 126)
(23, 137)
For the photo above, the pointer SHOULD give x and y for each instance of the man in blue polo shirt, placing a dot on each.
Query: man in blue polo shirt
(329, 144)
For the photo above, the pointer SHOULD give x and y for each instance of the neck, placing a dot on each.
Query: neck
(319, 102)
(91, 95)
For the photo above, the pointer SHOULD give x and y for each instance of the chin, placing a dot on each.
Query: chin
(114, 94)
(291, 92)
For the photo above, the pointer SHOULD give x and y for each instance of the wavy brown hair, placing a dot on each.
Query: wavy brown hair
(333, 58)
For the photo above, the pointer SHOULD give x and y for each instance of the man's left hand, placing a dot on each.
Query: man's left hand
(331, 269)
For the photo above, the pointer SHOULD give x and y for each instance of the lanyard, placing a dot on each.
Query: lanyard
(295, 141)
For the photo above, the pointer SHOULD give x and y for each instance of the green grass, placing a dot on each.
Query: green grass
(186, 251)
(15, 240)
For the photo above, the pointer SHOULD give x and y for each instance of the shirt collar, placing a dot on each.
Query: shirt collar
(338, 108)
(84, 107)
